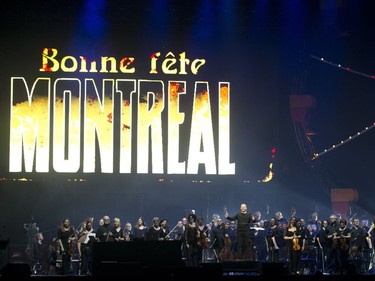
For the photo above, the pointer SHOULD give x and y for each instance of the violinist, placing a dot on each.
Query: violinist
(292, 236)
(66, 238)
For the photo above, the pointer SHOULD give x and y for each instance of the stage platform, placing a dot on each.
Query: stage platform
(228, 270)
(163, 260)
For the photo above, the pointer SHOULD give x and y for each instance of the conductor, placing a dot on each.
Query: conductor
(243, 219)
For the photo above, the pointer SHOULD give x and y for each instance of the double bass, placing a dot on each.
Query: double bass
(226, 252)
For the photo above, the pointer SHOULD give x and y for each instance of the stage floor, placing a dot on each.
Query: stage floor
(228, 270)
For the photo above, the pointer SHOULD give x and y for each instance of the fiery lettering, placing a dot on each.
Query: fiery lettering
(67, 125)
(50, 63)
(31, 116)
(125, 88)
(175, 119)
(98, 122)
(225, 167)
(150, 107)
(201, 133)
(29, 125)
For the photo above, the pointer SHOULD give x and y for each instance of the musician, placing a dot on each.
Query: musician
(260, 242)
(371, 242)
(117, 233)
(128, 232)
(324, 245)
(85, 241)
(358, 239)
(331, 255)
(342, 250)
(103, 231)
(280, 220)
(140, 229)
(273, 235)
(217, 238)
(315, 220)
(257, 218)
(154, 232)
(292, 237)
(308, 249)
(367, 249)
(181, 228)
(371, 234)
(191, 235)
(40, 259)
(243, 219)
(232, 233)
(202, 238)
(175, 234)
(164, 230)
(65, 237)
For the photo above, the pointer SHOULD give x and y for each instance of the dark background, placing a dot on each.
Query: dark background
(265, 49)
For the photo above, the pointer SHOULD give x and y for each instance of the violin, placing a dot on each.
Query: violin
(296, 245)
